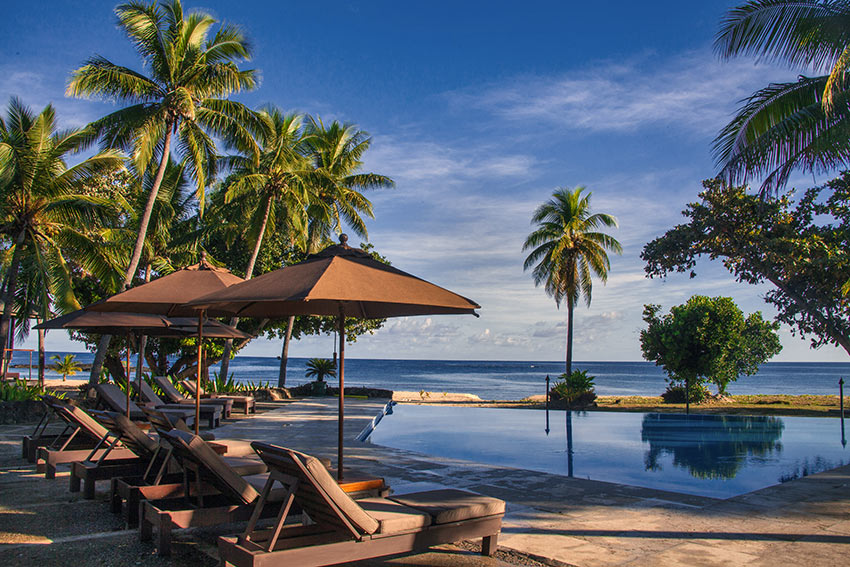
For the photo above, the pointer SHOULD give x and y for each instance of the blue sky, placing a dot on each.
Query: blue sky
(478, 110)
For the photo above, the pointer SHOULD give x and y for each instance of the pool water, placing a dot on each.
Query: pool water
(706, 455)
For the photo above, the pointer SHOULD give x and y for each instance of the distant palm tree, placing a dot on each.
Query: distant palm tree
(319, 368)
(796, 125)
(566, 250)
(42, 203)
(66, 366)
(188, 71)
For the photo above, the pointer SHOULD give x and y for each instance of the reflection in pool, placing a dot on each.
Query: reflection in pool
(718, 456)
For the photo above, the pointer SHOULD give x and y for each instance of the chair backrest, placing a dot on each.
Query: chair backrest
(78, 417)
(128, 433)
(116, 399)
(213, 469)
(190, 385)
(149, 395)
(318, 493)
(170, 390)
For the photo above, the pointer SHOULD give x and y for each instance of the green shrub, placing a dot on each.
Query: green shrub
(19, 391)
(675, 394)
(576, 388)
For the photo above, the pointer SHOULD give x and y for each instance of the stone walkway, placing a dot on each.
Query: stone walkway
(554, 519)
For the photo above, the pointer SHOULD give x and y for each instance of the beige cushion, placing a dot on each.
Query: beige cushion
(244, 466)
(355, 514)
(237, 447)
(449, 505)
(394, 517)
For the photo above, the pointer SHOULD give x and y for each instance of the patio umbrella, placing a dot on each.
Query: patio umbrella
(168, 296)
(339, 281)
(110, 324)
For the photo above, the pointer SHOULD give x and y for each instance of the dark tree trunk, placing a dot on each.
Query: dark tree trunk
(9, 300)
(570, 309)
(41, 356)
(284, 353)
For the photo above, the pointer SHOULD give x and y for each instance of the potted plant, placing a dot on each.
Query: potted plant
(318, 368)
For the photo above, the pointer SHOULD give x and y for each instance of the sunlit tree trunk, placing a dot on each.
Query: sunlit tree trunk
(284, 353)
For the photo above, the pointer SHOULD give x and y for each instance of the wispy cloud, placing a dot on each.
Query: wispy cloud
(693, 91)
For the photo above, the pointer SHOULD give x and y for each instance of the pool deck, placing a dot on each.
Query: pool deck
(552, 519)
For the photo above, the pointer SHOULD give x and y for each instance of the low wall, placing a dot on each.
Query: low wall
(28, 411)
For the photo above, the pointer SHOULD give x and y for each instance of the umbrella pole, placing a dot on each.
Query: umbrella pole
(128, 376)
(200, 364)
(341, 390)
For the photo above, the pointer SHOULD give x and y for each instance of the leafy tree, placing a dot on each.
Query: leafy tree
(707, 338)
(41, 202)
(803, 124)
(189, 72)
(319, 368)
(566, 249)
(801, 249)
(65, 365)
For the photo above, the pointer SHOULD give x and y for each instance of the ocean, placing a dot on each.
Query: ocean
(513, 380)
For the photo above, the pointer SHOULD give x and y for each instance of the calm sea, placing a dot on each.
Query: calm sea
(513, 380)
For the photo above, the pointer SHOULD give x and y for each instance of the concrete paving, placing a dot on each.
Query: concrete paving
(551, 519)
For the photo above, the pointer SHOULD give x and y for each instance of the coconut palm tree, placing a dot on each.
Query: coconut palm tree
(803, 124)
(566, 250)
(41, 200)
(189, 73)
(65, 365)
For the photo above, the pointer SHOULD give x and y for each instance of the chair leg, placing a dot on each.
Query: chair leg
(49, 470)
(164, 547)
(489, 545)
(133, 508)
(88, 488)
(114, 499)
(145, 527)
(75, 482)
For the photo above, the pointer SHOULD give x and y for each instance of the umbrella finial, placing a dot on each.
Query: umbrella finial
(343, 240)
(203, 261)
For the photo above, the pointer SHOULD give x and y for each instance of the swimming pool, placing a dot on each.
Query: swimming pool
(707, 455)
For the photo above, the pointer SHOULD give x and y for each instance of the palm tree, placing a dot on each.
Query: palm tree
(566, 250)
(336, 152)
(42, 201)
(188, 72)
(319, 368)
(279, 185)
(803, 124)
(66, 366)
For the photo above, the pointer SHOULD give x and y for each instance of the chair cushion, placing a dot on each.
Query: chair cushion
(238, 447)
(449, 505)
(394, 517)
(244, 466)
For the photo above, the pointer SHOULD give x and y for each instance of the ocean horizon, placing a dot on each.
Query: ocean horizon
(514, 380)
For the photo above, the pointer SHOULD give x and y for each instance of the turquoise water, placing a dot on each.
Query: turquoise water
(716, 456)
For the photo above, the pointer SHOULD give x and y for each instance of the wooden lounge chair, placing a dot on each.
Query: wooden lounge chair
(247, 401)
(115, 400)
(211, 413)
(342, 530)
(157, 484)
(49, 457)
(68, 438)
(173, 394)
(234, 503)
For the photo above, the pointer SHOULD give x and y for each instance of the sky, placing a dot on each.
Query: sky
(478, 111)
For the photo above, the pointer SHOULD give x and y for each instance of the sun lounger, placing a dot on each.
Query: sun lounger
(66, 439)
(116, 400)
(84, 425)
(148, 458)
(173, 394)
(342, 530)
(234, 503)
(248, 401)
(211, 413)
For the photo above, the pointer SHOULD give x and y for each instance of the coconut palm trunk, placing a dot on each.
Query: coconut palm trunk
(249, 272)
(284, 353)
(570, 311)
(9, 298)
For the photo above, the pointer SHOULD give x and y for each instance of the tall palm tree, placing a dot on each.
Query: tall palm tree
(41, 199)
(567, 249)
(803, 124)
(336, 153)
(279, 184)
(189, 73)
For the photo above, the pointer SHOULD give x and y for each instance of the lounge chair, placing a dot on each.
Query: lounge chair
(48, 457)
(234, 503)
(211, 413)
(342, 530)
(156, 483)
(66, 439)
(248, 400)
(173, 394)
(116, 400)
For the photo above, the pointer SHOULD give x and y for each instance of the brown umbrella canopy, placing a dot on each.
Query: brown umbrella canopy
(343, 282)
(167, 295)
(107, 323)
(338, 277)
